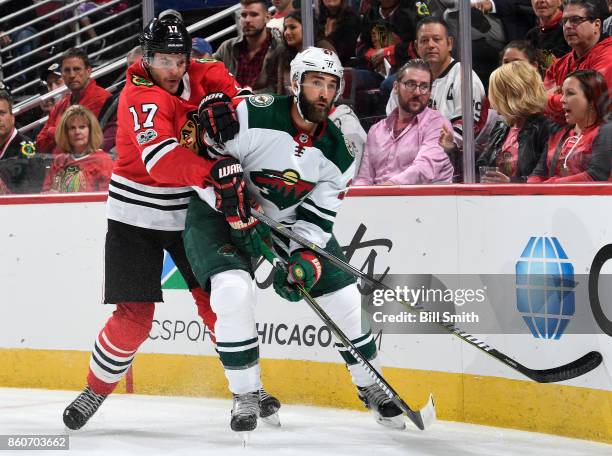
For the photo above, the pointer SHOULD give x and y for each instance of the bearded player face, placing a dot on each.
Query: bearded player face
(317, 96)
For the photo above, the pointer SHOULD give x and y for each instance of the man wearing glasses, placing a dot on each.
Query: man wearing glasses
(403, 148)
(582, 29)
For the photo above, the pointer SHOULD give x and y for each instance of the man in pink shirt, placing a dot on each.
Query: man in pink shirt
(403, 149)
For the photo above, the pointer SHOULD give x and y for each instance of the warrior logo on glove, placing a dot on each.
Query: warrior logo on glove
(230, 188)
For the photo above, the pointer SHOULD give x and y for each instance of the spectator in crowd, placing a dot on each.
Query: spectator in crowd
(403, 148)
(283, 7)
(487, 32)
(582, 21)
(12, 33)
(607, 26)
(516, 143)
(435, 45)
(51, 79)
(516, 16)
(523, 51)
(520, 51)
(254, 56)
(21, 170)
(292, 44)
(579, 152)
(81, 166)
(388, 30)
(96, 44)
(201, 49)
(547, 36)
(47, 105)
(340, 26)
(12, 143)
(76, 71)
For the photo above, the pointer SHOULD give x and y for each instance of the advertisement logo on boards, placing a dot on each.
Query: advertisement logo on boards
(171, 277)
(545, 285)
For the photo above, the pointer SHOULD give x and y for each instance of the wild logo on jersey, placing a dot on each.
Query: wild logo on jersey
(190, 133)
(283, 188)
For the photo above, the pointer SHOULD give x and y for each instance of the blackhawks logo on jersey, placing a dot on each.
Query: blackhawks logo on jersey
(190, 133)
(283, 188)
(69, 180)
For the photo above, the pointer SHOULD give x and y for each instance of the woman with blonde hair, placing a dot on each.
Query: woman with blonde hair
(516, 143)
(82, 166)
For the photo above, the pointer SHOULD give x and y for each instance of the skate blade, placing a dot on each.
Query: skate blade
(428, 413)
(272, 420)
(396, 422)
(245, 437)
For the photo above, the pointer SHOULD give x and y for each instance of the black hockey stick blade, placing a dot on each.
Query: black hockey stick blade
(570, 370)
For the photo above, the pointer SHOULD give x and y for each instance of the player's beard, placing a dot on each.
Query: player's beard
(312, 113)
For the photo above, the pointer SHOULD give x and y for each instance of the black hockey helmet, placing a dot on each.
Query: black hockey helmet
(167, 35)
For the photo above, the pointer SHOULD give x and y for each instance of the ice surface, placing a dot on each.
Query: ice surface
(153, 425)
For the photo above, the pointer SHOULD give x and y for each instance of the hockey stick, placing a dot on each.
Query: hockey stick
(567, 371)
(420, 418)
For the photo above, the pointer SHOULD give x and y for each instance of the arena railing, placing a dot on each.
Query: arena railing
(115, 65)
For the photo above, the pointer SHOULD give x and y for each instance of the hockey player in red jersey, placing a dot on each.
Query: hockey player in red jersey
(158, 164)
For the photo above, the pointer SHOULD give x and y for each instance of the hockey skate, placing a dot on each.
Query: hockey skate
(245, 411)
(268, 408)
(385, 411)
(82, 408)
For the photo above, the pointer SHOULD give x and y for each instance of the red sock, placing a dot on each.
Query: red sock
(202, 300)
(117, 343)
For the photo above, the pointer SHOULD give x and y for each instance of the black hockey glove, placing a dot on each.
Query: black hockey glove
(232, 197)
(218, 119)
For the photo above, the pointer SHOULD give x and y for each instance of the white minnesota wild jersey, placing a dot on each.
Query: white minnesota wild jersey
(299, 180)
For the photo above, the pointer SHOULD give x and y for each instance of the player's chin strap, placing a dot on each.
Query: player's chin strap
(421, 418)
(573, 369)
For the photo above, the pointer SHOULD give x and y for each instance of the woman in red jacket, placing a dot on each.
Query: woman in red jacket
(82, 166)
(575, 153)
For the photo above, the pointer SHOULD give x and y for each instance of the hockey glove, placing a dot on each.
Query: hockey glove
(231, 192)
(218, 119)
(250, 236)
(303, 268)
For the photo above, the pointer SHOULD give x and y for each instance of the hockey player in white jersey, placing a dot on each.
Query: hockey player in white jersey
(297, 167)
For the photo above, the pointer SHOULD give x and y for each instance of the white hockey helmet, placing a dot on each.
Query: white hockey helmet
(318, 60)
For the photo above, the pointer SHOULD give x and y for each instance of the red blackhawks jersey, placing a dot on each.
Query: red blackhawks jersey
(157, 146)
(88, 173)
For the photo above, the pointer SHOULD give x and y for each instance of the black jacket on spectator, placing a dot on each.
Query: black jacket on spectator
(344, 36)
(401, 23)
(550, 41)
(532, 139)
(517, 17)
(21, 169)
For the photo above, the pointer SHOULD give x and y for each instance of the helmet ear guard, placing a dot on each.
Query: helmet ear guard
(317, 60)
